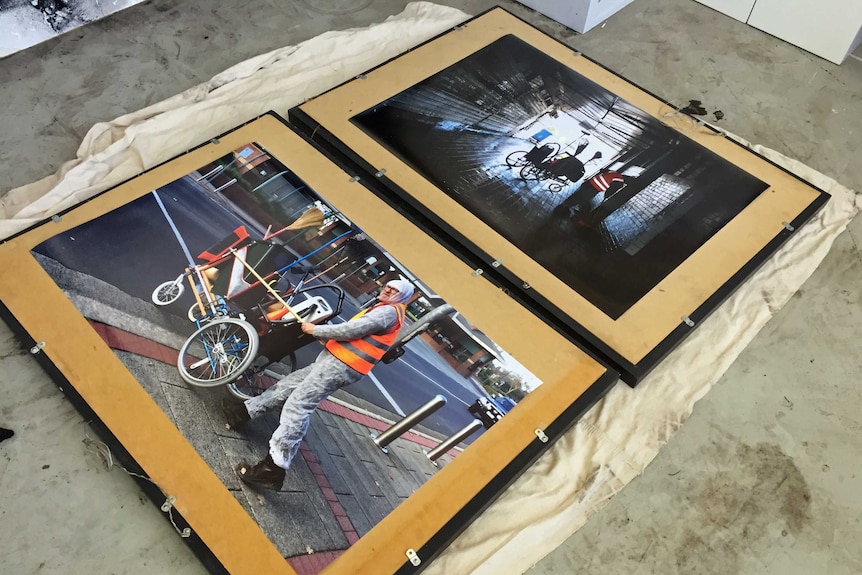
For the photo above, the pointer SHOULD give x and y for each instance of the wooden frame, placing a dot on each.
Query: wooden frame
(147, 441)
(632, 337)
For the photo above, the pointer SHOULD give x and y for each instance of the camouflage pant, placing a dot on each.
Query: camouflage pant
(299, 394)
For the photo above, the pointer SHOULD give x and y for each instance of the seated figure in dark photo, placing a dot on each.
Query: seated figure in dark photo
(608, 182)
(351, 349)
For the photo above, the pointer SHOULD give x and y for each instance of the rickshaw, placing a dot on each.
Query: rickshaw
(247, 311)
(547, 162)
(561, 170)
(534, 164)
(536, 155)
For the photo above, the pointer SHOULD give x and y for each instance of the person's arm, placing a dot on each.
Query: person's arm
(377, 320)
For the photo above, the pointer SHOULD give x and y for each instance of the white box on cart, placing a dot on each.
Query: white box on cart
(579, 15)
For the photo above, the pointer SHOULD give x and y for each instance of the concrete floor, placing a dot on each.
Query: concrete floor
(763, 478)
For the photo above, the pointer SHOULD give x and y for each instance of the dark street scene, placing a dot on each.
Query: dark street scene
(601, 194)
(201, 288)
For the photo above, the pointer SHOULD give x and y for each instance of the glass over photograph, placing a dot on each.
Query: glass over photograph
(286, 346)
(603, 195)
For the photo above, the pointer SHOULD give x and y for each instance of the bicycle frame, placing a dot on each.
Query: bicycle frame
(210, 305)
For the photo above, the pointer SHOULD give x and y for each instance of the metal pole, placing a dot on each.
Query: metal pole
(409, 420)
(223, 186)
(448, 444)
(210, 173)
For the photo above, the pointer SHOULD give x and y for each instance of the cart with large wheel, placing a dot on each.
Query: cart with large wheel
(560, 171)
(236, 348)
(247, 311)
(536, 155)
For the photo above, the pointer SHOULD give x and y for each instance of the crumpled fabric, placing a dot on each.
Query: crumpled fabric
(112, 152)
(617, 438)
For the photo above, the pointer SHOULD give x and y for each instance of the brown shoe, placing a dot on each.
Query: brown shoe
(235, 413)
(265, 474)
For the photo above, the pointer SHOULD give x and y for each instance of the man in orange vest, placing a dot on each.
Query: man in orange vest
(350, 351)
(580, 200)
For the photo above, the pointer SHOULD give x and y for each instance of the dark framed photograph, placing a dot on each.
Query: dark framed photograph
(624, 221)
(303, 379)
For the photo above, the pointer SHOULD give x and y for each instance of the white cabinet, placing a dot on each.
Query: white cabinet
(739, 9)
(579, 15)
(830, 29)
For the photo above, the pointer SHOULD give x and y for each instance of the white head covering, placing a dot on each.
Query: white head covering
(405, 291)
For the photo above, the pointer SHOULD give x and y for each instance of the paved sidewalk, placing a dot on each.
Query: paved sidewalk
(339, 487)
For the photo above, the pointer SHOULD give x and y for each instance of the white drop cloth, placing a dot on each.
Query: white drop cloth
(617, 439)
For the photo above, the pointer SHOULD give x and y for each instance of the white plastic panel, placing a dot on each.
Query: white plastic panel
(827, 28)
(579, 15)
(738, 9)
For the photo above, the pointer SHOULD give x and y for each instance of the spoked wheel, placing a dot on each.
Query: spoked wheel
(250, 385)
(194, 314)
(227, 347)
(517, 159)
(168, 292)
(530, 172)
(255, 382)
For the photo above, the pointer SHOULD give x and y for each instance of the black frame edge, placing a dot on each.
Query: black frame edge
(153, 492)
(494, 488)
(733, 283)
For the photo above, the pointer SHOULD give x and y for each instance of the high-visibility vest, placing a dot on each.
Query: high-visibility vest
(603, 181)
(361, 354)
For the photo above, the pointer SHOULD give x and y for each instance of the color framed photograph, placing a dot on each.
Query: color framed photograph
(303, 379)
(623, 220)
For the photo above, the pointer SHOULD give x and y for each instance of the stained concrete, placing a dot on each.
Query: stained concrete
(764, 476)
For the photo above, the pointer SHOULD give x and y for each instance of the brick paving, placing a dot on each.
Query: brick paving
(339, 487)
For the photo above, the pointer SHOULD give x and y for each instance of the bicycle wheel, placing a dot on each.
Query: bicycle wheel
(168, 292)
(253, 384)
(516, 159)
(228, 346)
(194, 313)
(249, 385)
(530, 172)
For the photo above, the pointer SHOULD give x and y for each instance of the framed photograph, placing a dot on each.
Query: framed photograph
(624, 220)
(303, 379)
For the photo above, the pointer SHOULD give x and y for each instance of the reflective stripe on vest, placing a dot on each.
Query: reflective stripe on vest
(603, 181)
(361, 354)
